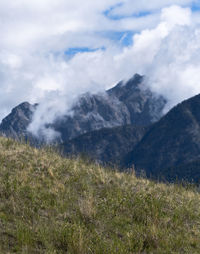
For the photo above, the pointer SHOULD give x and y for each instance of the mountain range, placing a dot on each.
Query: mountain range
(125, 127)
(127, 103)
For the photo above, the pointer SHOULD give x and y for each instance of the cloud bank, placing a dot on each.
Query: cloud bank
(37, 38)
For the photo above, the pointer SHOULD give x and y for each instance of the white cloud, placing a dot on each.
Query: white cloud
(35, 35)
(176, 15)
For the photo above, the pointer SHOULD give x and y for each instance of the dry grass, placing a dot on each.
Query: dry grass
(49, 204)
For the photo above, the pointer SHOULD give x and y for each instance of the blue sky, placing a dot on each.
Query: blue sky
(108, 14)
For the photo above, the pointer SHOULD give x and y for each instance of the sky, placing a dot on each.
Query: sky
(51, 51)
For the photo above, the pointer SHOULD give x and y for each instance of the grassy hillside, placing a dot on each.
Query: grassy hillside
(53, 205)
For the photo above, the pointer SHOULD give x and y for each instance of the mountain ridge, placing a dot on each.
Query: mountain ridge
(171, 142)
(126, 103)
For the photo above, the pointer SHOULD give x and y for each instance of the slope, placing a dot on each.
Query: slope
(106, 146)
(53, 205)
(171, 142)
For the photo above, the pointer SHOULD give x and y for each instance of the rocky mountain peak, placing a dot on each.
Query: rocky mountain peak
(132, 85)
(16, 123)
(124, 104)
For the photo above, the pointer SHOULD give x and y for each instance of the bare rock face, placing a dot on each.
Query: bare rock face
(171, 148)
(143, 106)
(125, 104)
(92, 112)
(16, 123)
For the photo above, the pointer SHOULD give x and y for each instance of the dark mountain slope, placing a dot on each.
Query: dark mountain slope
(126, 103)
(106, 146)
(189, 172)
(171, 142)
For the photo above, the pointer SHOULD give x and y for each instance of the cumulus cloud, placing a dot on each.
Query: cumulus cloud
(35, 36)
(172, 63)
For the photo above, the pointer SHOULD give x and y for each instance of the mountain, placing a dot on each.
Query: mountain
(172, 144)
(143, 106)
(127, 103)
(16, 123)
(107, 146)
